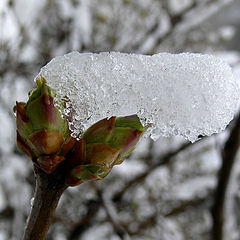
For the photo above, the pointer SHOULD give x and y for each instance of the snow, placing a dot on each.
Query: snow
(174, 94)
(194, 187)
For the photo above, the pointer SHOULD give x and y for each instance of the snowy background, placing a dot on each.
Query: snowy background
(167, 190)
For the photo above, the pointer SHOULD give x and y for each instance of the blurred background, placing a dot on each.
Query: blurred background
(166, 190)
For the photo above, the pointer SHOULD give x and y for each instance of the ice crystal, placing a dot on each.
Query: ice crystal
(174, 94)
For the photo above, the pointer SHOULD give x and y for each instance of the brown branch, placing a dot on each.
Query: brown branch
(49, 188)
(228, 156)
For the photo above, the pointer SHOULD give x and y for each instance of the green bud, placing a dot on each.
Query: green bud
(41, 131)
(105, 144)
(44, 136)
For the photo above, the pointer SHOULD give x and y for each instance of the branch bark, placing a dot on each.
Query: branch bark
(49, 188)
(228, 156)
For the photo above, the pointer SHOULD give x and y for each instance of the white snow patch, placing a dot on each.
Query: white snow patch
(129, 169)
(175, 94)
(227, 32)
(197, 186)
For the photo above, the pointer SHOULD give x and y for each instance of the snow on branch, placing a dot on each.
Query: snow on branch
(174, 94)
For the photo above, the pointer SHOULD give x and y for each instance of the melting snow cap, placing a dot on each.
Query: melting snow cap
(175, 94)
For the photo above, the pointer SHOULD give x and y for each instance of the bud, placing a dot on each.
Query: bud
(44, 136)
(42, 133)
(105, 144)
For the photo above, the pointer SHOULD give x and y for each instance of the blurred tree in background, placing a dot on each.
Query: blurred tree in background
(167, 190)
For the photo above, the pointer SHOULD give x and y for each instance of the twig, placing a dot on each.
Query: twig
(228, 156)
(49, 188)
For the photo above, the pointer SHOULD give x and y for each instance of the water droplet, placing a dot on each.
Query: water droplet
(32, 201)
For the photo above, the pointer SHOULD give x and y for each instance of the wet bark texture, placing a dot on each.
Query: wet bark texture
(229, 154)
(49, 188)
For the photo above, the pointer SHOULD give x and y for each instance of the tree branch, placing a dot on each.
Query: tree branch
(228, 156)
(49, 188)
